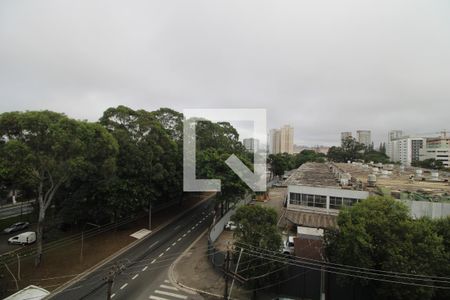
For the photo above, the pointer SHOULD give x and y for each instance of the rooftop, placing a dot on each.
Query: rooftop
(401, 182)
(313, 174)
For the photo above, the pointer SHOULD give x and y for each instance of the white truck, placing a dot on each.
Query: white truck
(24, 238)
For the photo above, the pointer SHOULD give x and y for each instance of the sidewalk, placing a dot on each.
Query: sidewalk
(194, 270)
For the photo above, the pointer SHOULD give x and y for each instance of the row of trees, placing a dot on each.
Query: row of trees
(281, 162)
(378, 233)
(353, 150)
(116, 167)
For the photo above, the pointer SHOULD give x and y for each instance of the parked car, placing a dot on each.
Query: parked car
(288, 246)
(230, 226)
(24, 238)
(16, 227)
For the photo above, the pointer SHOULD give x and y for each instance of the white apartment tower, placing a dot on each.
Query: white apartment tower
(281, 140)
(364, 137)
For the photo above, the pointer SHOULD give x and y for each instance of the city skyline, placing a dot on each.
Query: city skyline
(322, 75)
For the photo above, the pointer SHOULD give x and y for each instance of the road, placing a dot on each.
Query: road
(12, 210)
(145, 273)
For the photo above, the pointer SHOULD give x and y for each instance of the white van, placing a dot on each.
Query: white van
(24, 238)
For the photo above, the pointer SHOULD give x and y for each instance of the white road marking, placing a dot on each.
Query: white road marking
(166, 281)
(171, 294)
(184, 235)
(177, 227)
(192, 228)
(145, 268)
(123, 286)
(179, 240)
(153, 261)
(161, 254)
(189, 231)
(167, 249)
(167, 287)
(174, 243)
(153, 244)
(134, 277)
(157, 298)
(112, 296)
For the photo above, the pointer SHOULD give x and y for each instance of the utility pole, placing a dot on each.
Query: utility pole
(235, 270)
(226, 268)
(149, 215)
(115, 270)
(82, 238)
(322, 283)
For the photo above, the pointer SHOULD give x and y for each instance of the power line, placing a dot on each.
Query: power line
(359, 269)
(270, 257)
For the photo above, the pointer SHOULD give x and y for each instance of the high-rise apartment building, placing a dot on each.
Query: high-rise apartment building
(392, 135)
(405, 149)
(281, 140)
(437, 148)
(364, 137)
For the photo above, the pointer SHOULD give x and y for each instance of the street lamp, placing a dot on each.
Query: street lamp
(82, 237)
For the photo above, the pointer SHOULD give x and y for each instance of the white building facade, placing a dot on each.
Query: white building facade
(405, 150)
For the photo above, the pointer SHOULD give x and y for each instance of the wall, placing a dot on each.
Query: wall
(433, 210)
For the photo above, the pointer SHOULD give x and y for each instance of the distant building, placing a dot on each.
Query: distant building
(392, 135)
(437, 148)
(281, 140)
(345, 135)
(364, 137)
(405, 149)
(317, 191)
(251, 144)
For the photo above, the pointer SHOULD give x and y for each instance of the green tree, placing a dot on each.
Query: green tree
(48, 150)
(215, 143)
(378, 233)
(148, 168)
(256, 230)
(429, 163)
(350, 150)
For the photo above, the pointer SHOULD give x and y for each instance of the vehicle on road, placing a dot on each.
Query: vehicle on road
(230, 226)
(24, 238)
(288, 246)
(16, 227)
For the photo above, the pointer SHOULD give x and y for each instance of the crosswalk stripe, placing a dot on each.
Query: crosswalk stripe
(168, 287)
(171, 294)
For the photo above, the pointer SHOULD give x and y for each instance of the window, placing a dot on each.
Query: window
(308, 200)
(335, 202)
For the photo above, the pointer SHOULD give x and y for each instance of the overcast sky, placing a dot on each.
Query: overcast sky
(322, 66)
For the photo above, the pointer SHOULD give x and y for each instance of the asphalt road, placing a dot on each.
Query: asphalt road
(18, 209)
(145, 266)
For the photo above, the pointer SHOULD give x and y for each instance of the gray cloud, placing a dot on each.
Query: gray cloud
(322, 66)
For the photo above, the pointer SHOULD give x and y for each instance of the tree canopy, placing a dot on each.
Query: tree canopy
(47, 150)
(378, 233)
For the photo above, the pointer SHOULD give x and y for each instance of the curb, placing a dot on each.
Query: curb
(173, 278)
(121, 251)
